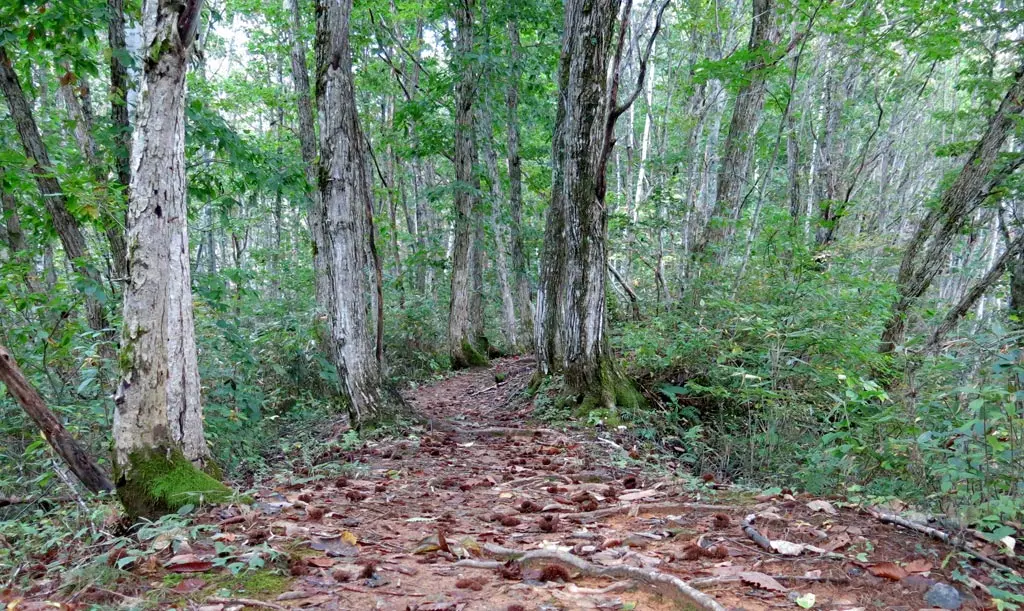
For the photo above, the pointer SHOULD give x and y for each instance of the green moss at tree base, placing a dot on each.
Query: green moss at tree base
(160, 481)
(609, 397)
(470, 357)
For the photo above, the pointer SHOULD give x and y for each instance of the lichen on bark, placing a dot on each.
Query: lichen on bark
(162, 480)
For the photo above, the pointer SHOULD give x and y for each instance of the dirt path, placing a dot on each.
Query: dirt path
(418, 523)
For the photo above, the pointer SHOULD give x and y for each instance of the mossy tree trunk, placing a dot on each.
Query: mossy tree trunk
(571, 337)
(466, 346)
(346, 196)
(160, 451)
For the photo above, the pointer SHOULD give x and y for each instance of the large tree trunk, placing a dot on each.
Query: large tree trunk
(734, 171)
(158, 420)
(571, 335)
(466, 345)
(520, 278)
(50, 190)
(940, 227)
(77, 459)
(307, 145)
(346, 196)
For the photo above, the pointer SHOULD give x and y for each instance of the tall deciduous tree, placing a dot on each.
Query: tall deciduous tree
(160, 451)
(520, 278)
(307, 146)
(346, 199)
(737, 158)
(571, 337)
(466, 343)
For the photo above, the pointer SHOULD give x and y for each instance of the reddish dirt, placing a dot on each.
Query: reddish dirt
(483, 474)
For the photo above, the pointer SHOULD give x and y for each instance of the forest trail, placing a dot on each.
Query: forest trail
(418, 524)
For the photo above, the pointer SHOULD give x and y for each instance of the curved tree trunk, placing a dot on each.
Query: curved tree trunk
(77, 459)
(50, 191)
(346, 197)
(940, 227)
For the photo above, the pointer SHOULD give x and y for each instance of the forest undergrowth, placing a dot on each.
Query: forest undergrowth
(492, 505)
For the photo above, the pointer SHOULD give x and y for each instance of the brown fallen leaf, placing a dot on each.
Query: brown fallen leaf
(188, 563)
(825, 506)
(838, 542)
(190, 585)
(765, 582)
(920, 565)
(336, 545)
(320, 561)
(887, 570)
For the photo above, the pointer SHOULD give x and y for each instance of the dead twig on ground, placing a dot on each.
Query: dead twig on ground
(668, 585)
(248, 602)
(660, 509)
(761, 540)
(935, 533)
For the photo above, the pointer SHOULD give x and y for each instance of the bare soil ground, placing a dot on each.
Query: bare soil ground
(425, 523)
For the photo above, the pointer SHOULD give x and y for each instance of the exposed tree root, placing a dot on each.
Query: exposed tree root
(935, 533)
(659, 509)
(709, 582)
(248, 602)
(757, 537)
(668, 585)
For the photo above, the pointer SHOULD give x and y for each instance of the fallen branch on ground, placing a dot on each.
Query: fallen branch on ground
(15, 500)
(941, 536)
(660, 509)
(668, 585)
(761, 540)
(248, 602)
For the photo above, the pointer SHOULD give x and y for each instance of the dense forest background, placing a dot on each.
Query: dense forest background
(815, 249)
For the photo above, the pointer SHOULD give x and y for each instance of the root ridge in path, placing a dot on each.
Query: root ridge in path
(486, 509)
